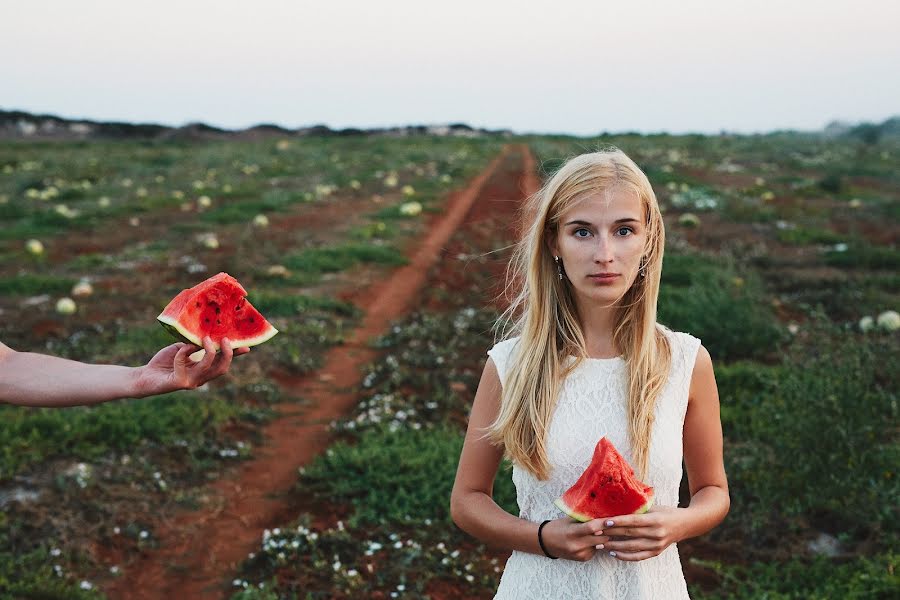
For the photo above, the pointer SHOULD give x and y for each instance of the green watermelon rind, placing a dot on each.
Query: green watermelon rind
(183, 335)
(561, 505)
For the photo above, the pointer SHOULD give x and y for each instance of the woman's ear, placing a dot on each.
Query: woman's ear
(550, 238)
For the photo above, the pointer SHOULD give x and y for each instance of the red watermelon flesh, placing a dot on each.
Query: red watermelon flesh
(607, 488)
(217, 307)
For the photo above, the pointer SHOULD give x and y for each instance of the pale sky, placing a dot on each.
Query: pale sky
(567, 66)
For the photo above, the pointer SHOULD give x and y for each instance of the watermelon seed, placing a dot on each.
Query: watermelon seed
(218, 322)
(198, 305)
(207, 320)
(218, 310)
(593, 494)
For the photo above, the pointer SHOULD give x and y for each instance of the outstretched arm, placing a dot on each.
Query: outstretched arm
(31, 379)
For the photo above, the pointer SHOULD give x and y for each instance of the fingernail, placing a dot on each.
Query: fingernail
(609, 523)
(612, 553)
(599, 546)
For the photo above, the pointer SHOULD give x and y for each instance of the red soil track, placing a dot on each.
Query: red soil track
(200, 551)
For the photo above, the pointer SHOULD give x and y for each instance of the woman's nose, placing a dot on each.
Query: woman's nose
(603, 252)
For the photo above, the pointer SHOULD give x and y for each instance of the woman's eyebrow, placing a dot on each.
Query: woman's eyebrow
(589, 224)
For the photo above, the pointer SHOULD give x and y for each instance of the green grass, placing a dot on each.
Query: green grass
(818, 437)
(396, 476)
(862, 578)
(865, 256)
(338, 258)
(801, 236)
(32, 285)
(726, 308)
(29, 436)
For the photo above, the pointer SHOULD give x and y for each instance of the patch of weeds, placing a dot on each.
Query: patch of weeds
(327, 260)
(695, 198)
(375, 230)
(801, 236)
(374, 562)
(29, 436)
(821, 436)
(32, 285)
(287, 305)
(748, 209)
(863, 578)
(395, 476)
(728, 311)
(302, 342)
(743, 386)
(859, 255)
(35, 573)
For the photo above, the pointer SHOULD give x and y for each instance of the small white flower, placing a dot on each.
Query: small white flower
(55, 552)
(143, 535)
(114, 569)
(260, 221)
(840, 247)
(86, 585)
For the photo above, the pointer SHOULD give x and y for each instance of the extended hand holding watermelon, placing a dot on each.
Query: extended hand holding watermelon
(607, 488)
(217, 308)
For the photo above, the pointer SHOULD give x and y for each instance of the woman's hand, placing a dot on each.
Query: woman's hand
(172, 369)
(637, 537)
(565, 538)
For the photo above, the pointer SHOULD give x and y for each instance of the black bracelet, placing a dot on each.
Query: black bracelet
(541, 540)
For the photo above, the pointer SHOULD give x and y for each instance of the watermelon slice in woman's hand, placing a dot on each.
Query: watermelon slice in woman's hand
(607, 488)
(217, 307)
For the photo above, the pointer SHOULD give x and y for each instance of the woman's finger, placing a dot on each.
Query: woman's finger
(632, 532)
(631, 545)
(633, 556)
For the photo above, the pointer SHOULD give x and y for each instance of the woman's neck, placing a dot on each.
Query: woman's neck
(598, 324)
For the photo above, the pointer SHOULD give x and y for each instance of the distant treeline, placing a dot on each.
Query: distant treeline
(15, 124)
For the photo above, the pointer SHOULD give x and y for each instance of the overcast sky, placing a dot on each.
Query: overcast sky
(565, 66)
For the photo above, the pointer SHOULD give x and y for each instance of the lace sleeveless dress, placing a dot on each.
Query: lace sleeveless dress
(591, 405)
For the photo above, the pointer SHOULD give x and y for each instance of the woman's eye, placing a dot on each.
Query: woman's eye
(627, 230)
(582, 232)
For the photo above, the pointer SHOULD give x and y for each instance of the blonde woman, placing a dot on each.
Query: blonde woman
(588, 360)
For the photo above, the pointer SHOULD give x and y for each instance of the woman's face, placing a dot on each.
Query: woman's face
(599, 241)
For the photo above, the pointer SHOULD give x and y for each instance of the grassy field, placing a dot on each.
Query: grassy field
(790, 242)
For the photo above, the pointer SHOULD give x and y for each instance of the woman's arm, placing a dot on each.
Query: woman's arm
(472, 506)
(30, 379)
(649, 534)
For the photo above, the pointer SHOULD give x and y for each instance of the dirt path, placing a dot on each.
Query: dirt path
(200, 550)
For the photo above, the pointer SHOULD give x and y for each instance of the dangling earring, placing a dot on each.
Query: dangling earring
(558, 267)
(643, 269)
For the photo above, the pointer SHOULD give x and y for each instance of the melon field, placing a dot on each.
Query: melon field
(321, 465)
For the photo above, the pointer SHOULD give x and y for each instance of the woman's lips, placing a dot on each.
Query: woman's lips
(604, 278)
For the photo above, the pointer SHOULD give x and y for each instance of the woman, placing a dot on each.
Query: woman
(589, 360)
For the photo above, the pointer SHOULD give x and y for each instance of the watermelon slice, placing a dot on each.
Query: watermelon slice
(607, 488)
(217, 307)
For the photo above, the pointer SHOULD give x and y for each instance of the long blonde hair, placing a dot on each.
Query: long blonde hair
(544, 314)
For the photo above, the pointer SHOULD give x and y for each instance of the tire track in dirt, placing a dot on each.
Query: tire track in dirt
(200, 550)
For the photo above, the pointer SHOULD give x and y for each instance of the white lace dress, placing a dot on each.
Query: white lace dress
(591, 405)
